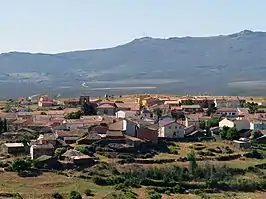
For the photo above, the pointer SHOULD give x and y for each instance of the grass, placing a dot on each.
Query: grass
(46, 184)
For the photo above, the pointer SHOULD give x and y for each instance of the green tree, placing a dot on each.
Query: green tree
(188, 102)
(202, 125)
(21, 164)
(88, 192)
(158, 112)
(232, 134)
(252, 107)
(73, 115)
(178, 115)
(224, 132)
(88, 109)
(192, 162)
(75, 195)
(213, 122)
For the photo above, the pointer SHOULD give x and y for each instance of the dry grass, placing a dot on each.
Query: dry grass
(43, 186)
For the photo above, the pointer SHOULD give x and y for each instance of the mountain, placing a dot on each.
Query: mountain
(225, 65)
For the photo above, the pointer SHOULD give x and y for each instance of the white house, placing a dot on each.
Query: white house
(172, 129)
(238, 124)
(125, 114)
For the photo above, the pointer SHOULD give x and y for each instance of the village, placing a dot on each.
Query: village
(81, 133)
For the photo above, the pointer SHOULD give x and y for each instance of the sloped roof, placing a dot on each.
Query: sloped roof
(117, 126)
(114, 133)
(71, 153)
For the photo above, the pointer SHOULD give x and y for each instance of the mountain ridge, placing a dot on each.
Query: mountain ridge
(215, 64)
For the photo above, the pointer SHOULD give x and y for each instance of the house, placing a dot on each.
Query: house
(149, 133)
(89, 139)
(147, 114)
(171, 129)
(14, 148)
(20, 123)
(130, 127)
(192, 121)
(71, 153)
(229, 102)
(38, 150)
(172, 103)
(241, 144)
(126, 106)
(70, 140)
(114, 135)
(227, 112)
(63, 133)
(106, 109)
(238, 124)
(73, 124)
(72, 102)
(45, 101)
(165, 108)
(83, 160)
(195, 108)
(125, 114)
(258, 124)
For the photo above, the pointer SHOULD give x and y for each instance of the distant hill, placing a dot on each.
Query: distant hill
(231, 64)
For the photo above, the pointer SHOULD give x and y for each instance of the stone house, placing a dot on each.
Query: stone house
(171, 129)
(37, 150)
(106, 109)
(14, 148)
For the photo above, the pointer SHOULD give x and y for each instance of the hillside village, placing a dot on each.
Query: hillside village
(76, 133)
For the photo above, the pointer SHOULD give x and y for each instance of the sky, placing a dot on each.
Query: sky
(53, 26)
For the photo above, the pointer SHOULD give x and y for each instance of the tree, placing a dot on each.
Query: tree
(88, 192)
(202, 125)
(232, 134)
(178, 114)
(88, 109)
(21, 164)
(212, 123)
(188, 102)
(73, 115)
(75, 195)
(192, 162)
(252, 107)
(158, 112)
(255, 134)
(224, 132)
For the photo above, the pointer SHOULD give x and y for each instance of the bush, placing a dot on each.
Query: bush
(21, 164)
(75, 195)
(56, 195)
(152, 194)
(88, 192)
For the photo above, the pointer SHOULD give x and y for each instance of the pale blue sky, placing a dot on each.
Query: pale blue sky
(64, 25)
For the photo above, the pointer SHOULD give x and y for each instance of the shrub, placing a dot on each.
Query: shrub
(75, 195)
(56, 195)
(88, 192)
(152, 194)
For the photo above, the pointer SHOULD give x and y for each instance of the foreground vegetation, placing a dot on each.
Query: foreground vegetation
(200, 170)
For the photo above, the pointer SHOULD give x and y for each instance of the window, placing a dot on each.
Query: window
(105, 111)
(176, 127)
(151, 115)
(169, 127)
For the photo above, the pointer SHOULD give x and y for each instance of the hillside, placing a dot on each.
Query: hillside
(225, 65)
